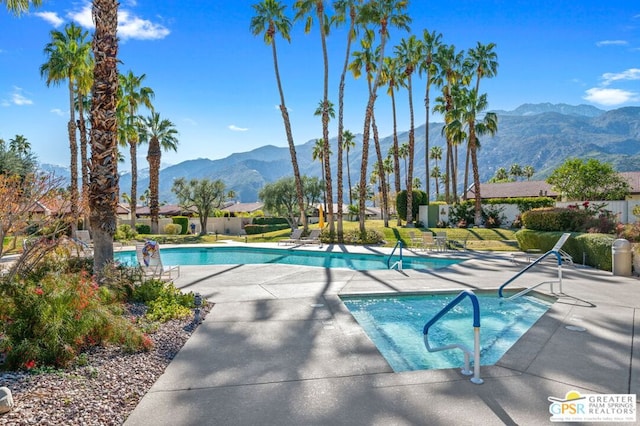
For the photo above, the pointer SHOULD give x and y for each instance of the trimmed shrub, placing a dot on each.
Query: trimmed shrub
(261, 229)
(183, 221)
(418, 198)
(270, 221)
(556, 219)
(141, 228)
(173, 228)
(462, 214)
(124, 232)
(595, 249)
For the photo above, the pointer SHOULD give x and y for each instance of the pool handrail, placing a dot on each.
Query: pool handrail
(534, 263)
(399, 262)
(476, 335)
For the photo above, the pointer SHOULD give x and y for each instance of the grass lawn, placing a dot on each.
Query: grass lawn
(497, 239)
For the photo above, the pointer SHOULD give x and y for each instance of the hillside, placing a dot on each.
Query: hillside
(540, 135)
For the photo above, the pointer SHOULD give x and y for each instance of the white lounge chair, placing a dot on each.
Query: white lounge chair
(150, 261)
(293, 238)
(312, 238)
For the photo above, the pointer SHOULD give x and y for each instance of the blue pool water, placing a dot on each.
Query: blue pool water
(221, 255)
(395, 325)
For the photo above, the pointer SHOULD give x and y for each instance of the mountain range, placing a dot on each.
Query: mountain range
(540, 135)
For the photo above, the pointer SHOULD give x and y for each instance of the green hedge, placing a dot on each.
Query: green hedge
(183, 221)
(524, 203)
(141, 228)
(254, 229)
(270, 221)
(595, 249)
(418, 198)
(556, 219)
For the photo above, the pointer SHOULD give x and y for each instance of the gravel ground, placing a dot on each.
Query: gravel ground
(102, 392)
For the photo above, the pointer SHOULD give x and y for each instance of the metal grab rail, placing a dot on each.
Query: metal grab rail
(399, 262)
(476, 336)
(534, 263)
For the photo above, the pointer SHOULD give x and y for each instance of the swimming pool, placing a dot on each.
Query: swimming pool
(224, 255)
(395, 325)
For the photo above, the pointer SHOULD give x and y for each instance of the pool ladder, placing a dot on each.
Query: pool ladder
(398, 264)
(476, 336)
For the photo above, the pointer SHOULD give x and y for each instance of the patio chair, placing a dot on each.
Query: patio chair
(296, 234)
(441, 241)
(312, 238)
(416, 241)
(428, 241)
(150, 261)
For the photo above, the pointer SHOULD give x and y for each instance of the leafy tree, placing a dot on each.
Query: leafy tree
(280, 197)
(103, 184)
(68, 58)
(203, 194)
(161, 134)
(271, 20)
(580, 180)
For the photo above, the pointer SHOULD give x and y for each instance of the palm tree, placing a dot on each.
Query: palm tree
(528, 172)
(403, 152)
(348, 142)
(381, 13)
(435, 153)
(19, 6)
(342, 8)
(516, 171)
(392, 77)
(431, 42)
(20, 145)
(484, 61)
(304, 8)
(85, 80)
(436, 175)
(161, 135)
(103, 185)
(68, 55)
(132, 96)
(317, 154)
(270, 19)
(408, 54)
(448, 74)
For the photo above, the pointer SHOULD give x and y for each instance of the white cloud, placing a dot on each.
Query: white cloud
(610, 97)
(630, 74)
(129, 25)
(51, 17)
(58, 111)
(237, 129)
(612, 43)
(17, 98)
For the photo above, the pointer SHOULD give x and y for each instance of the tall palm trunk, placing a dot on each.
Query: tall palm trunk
(83, 158)
(427, 185)
(133, 153)
(153, 157)
(287, 128)
(412, 144)
(103, 184)
(396, 158)
(326, 157)
(73, 149)
(473, 148)
(352, 14)
(384, 204)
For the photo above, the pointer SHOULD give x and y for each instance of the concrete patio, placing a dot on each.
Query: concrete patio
(279, 348)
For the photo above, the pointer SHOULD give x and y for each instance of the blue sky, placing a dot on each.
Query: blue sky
(216, 82)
